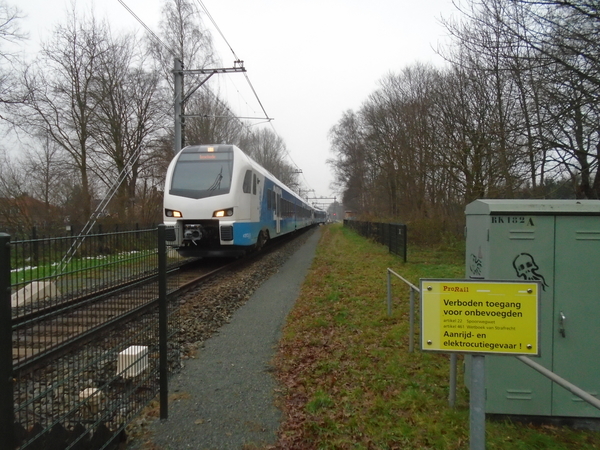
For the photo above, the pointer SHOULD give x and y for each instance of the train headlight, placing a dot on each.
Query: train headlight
(172, 213)
(223, 212)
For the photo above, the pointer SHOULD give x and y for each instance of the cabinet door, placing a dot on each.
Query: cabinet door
(577, 298)
(522, 248)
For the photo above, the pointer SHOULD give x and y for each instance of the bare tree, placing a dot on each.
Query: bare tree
(464, 148)
(515, 114)
(400, 128)
(216, 123)
(14, 198)
(10, 34)
(560, 38)
(183, 36)
(13, 177)
(269, 150)
(62, 100)
(497, 59)
(45, 166)
(350, 162)
(564, 31)
(129, 116)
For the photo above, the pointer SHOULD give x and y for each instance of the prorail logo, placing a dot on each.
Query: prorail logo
(447, 288)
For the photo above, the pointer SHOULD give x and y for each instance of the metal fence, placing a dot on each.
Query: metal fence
(80, 336)
(416, 292)
(393, 235)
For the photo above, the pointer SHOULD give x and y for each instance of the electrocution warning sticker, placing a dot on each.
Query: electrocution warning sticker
(476, 316)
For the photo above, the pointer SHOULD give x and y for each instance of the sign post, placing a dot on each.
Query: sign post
(480, 317)
(477, 403)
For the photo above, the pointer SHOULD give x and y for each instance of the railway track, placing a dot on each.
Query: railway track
(54, 330)
(70, 380)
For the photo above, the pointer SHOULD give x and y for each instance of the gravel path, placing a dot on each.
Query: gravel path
(224, 398)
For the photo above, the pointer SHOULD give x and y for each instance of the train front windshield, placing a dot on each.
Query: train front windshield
(200, 173)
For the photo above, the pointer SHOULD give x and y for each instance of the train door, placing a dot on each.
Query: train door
(277, 209)
(256, 196)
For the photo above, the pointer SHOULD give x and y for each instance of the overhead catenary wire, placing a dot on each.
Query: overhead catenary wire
(80, 238)
(210, 17)
(269, 120)
(227, 108)
(237, 59)
(170, 50)
(240, 95)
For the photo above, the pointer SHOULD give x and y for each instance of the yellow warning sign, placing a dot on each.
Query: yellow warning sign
(478, 316)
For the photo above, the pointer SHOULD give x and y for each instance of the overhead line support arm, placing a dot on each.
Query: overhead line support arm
(210, 73)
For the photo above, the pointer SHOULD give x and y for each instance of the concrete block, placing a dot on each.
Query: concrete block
(93, 397)
(36, 290)
(132, 361)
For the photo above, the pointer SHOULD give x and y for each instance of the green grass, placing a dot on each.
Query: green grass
(91, 266)
(349, 380)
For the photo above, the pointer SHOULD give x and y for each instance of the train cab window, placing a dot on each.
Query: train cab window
(199, 173)
(247, 182)
(254, 184)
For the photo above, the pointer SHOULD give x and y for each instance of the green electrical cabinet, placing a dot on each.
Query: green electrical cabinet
(556, 242)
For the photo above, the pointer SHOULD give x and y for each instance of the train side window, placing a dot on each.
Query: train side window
(254, 184)
(247, 182)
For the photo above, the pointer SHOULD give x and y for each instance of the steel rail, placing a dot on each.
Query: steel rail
(38, 359)
(83, 300)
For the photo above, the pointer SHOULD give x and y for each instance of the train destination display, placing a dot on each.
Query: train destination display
(477, 316)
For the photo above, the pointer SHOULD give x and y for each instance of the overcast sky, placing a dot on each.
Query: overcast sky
(308, 60)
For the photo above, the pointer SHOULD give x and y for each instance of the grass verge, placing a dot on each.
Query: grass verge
(348, 378)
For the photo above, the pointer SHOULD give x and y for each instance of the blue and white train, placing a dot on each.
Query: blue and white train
(219, 202)
(321, 216)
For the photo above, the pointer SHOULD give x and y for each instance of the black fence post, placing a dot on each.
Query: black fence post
(36, 247)
(403, 239)
(163, 322)
(7, 413)
(389, 229)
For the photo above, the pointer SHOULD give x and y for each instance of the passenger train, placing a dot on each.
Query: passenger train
(219, 202)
